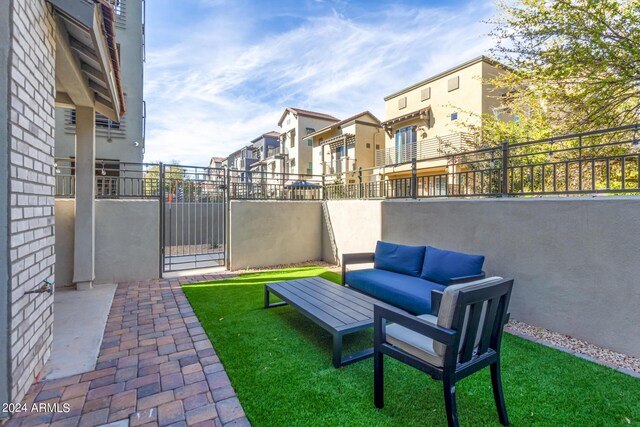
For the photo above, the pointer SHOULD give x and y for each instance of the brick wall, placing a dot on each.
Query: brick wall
(31, 75)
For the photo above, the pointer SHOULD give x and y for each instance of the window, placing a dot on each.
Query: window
(368, 145)
(425, 94)
(377, 146)
(405, 143)
(293, 143)
(293, 163)
(402, 103)
(309, 142)
(101, 121)
(454, 116)
(107, 173)
(516, 119)
(310, 130)
(310, 168)
(118, 7)
(453, 83)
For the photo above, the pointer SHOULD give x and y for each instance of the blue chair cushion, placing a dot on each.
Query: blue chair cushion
(399, 258)
(408, 293)
(440, 265)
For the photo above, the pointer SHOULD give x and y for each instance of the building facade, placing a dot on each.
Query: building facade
(52, 54)
(123, 141)
(427, 120)
(265, 148)
(296, 149)
(347, 146)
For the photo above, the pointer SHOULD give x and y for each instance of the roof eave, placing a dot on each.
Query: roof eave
(89, 17)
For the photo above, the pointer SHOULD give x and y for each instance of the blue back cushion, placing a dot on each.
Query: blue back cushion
(399, 258)
(440, 265)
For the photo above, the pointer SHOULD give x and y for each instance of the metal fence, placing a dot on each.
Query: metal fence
(599, 162)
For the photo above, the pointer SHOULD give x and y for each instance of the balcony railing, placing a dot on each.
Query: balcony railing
(599, 162)
(424, 149)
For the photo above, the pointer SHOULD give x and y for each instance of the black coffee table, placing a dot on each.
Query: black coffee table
(337, 309)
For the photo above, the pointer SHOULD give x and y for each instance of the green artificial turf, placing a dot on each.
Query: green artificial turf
(280, 366)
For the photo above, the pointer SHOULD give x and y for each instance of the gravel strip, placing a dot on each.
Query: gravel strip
(331, 267)
(600, 355)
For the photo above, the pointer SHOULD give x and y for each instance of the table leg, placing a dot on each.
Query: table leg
(339, 361)
(267, 303)
(337, 350)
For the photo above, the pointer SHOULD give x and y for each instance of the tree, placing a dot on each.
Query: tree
(173, 173)
(574, 64)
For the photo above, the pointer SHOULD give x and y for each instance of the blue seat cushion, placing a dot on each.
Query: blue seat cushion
(408, 293)
(399, 258)
(440, 266)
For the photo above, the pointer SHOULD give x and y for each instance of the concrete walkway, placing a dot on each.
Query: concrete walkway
(78, 325)
(156, 368)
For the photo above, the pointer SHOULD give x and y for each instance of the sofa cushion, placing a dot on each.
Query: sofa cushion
(408, 293)
(399, 258)
(440, 266)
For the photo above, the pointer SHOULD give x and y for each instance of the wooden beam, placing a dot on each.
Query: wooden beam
(93, 73)
(68, 71)
(63, 100)
(102, 51)
(99, 89)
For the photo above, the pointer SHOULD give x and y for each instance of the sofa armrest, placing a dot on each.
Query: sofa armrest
(359, 258)
(466, 279)
(436, 299)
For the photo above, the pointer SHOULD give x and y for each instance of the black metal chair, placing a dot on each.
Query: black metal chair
(462, 339)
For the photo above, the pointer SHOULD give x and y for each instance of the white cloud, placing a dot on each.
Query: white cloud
(221, 84)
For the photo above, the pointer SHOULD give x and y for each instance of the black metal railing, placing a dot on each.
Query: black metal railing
(599, 162)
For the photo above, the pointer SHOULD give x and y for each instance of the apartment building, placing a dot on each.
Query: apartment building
(53, 53)
(296, 150)
(425, 120)
(117, 142)
(265, 149)
(347, 146)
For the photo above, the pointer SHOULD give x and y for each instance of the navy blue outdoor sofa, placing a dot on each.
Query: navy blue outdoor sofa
(404, 276)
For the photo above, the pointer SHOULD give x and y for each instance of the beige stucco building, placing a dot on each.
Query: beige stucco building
(427, 120)
(295, 156)
(347, 146)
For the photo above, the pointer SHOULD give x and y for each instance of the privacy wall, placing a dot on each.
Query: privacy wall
(574, 260)
(127, 240)
(264, 233)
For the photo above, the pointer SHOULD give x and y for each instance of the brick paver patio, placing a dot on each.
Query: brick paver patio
(156, 368)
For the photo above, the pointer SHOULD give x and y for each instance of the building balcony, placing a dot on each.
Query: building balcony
(424, 149)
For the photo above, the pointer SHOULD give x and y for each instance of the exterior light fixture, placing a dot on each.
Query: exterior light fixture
(103, 172)
(55, 165)
(634, 141)
(136, 144)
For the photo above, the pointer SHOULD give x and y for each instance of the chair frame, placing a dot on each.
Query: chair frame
(459, 362)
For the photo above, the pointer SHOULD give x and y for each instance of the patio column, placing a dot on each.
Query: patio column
(84, 249)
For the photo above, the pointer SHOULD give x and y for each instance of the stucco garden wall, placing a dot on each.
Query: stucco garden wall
(267, 233)
(574, 260)
(127, 240)
(355, 225)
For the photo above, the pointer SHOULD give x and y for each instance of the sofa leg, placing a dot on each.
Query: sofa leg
(378, 379)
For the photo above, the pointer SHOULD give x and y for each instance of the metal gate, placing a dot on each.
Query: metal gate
(192, 217)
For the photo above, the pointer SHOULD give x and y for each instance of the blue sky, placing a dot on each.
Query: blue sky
(220, 72)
